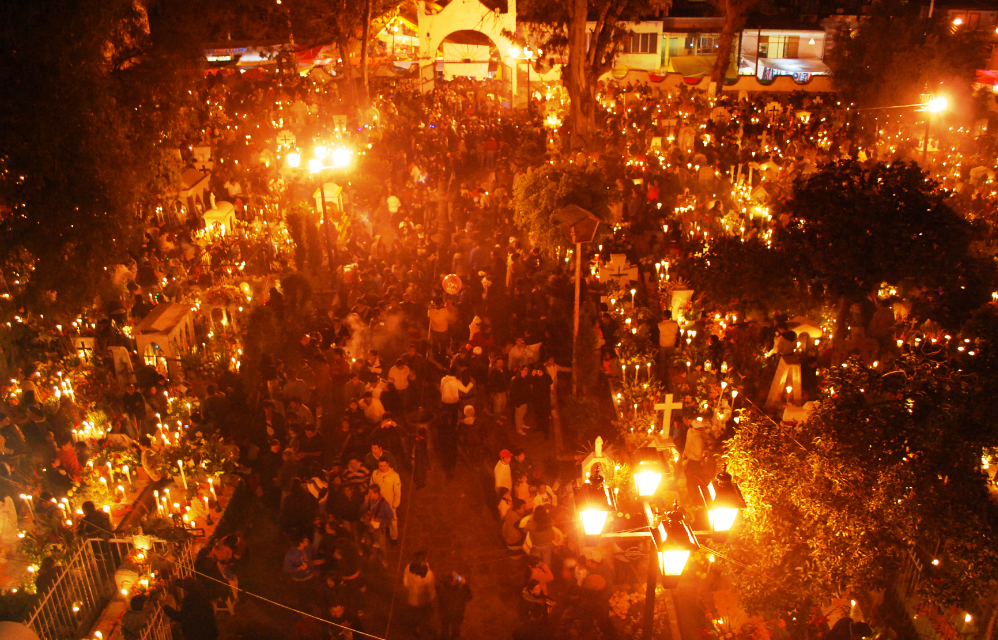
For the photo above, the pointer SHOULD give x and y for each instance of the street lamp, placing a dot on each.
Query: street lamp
(936, 104)
(594, 501)
(528, 55)
(648, 470)
(342, 157)
(674, 541)
(294, 160)
(314, 165)
(723, 500)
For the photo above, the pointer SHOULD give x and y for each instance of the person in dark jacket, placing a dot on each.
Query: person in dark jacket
(519, 396)
(453, 595)
(196, 616)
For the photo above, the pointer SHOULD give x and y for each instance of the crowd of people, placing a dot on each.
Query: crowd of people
(442, 334)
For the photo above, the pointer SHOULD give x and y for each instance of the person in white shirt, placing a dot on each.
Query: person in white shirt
(391, 490)
(451, 389)
(400, 375)
(420, 586)
(393, 204)
(503, 473)
(439, 326)
(519, 355)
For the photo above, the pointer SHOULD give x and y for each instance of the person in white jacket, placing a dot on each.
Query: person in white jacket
(420, 586)
(451, 389)
(390, 483)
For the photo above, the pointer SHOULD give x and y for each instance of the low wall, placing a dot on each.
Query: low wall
(780, 84)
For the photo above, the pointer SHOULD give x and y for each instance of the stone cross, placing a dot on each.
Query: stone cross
(667, 408)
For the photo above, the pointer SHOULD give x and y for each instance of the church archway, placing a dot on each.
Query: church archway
(459, 16)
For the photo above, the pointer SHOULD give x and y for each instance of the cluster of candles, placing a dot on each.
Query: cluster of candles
(87, 431)
(65, 387)
(165, 505)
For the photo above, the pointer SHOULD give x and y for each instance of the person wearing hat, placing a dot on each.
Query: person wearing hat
(503, 473)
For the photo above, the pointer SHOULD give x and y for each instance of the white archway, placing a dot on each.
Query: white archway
(462, 15)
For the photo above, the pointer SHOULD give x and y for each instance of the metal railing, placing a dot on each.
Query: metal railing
(86, 585)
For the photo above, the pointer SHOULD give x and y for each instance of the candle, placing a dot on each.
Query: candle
(206, 504)
(633, 291)
(637, 369)
(183, 476)
(623, 370)
(127, 477)
(159, 505)
(734, 394)
(211, 486)
(110, 472)
(27, 500)
(122, 490)
(648, 364)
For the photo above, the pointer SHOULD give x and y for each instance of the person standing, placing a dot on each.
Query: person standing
(668, 330)
(498, 387)
(390, 483)
(503, 473)
(420, 593)
(453, 595)
(540, 387)
(439, 326)
(451, 389)
(519, 396)
(196, 616)
(299, 564)
(377, 514)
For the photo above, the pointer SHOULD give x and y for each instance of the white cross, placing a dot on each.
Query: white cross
(667, 408)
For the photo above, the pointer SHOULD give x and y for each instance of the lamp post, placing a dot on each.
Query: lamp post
(595, 502)
(528, 55)
(724, 500)
(935, 104)
(341, 157)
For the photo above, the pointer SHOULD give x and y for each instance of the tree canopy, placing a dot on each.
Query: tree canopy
(852, 228)
(873, 66)
(544, 190)
(889, 463)
(97, 99)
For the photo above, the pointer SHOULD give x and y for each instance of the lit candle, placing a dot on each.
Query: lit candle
(121, 488)
(211, 486)
(159, 505)
(637, 369)
(183, 476)
(206, 504)
(127, 477)
(110, 472)
(648, 364)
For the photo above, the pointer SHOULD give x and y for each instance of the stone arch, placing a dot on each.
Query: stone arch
(461, 15)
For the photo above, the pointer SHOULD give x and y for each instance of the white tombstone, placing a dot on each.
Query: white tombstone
(598, 456)
(667, 408)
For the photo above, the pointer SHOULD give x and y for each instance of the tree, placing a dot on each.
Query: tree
(544, 190)
(590, 52)
(734, 13)
(873, 66)
(734, 269)
(853, 228)
(96, 103)
(888, 463)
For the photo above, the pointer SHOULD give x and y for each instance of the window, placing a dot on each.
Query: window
(707, 45)
(642, 43)
(779, 46)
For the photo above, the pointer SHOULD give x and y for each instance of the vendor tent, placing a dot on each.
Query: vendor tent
(222, 218)
(163, 335)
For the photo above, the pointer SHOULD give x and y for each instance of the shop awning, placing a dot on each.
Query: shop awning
(692, 66)
(790, 65)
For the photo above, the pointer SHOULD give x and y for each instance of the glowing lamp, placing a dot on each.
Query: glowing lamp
(514, 51)
(648, 470)
(320, 152)
(724, 500)
(937, 104)
(294, 160)
(595, 501)
(315, 165)
(342, 157)
(675, 541)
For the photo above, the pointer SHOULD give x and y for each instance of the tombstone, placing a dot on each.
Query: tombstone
(656, 144)
(798, 414)
(122, 364)
(680, 298)
(787, 375)
(667, 408)
(618, 268)
(773, 109)
(686, 138)
(202, 159)
(286, 138)
(598, 457)
(84, 348)
(340, 123)
(720, 114)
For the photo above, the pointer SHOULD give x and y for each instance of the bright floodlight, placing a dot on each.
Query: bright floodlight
(937, 104)
(320, 152)
(315, 165)
(294, 160)
(341, 156)
(958, 21)
(514, 51)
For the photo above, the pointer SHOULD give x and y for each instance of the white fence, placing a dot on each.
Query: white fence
(81, 593)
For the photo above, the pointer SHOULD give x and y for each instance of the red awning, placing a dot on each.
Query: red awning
(989, 78)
